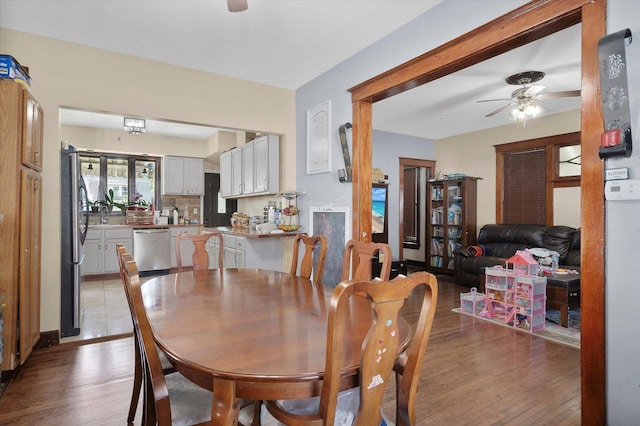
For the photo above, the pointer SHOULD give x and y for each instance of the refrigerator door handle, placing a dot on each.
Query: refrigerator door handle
(84, 202)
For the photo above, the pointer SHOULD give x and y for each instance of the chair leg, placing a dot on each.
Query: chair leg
(256, 413)
(148, 409)
(137, 384)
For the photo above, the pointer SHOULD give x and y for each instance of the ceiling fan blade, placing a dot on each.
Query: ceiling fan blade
(237, 5)
(565, 94)
(493, 100)
(533, 90)
(502, 108)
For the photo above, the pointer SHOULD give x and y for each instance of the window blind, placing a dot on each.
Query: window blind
(525, 186)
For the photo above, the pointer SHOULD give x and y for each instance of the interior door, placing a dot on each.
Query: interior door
(217, 210)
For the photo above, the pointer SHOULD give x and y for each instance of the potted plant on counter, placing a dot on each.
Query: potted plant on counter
(109, 202)
(138, 203)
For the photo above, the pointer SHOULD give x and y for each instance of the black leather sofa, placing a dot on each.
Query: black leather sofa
(501, 241)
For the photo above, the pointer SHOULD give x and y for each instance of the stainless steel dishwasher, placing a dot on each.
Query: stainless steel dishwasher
(152, 250)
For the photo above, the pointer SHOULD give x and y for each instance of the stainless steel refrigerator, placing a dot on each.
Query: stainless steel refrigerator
(74, 225)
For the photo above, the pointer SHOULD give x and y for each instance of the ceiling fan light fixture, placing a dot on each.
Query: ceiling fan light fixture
(135, 126)
(524, 112)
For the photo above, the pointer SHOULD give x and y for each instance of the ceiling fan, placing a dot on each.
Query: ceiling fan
(237, 5)
(525, 99)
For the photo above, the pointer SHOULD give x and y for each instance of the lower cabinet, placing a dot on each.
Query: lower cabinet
(186, 247)
(242, 252)
(99, 247)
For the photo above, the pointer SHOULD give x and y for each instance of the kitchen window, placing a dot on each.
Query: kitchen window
(123, 180)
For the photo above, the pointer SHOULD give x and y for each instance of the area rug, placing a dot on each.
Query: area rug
(552, 331)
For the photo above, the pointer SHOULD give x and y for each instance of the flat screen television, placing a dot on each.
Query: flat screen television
(379, 211)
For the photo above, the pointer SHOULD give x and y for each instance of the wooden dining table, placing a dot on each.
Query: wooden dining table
(251, 334)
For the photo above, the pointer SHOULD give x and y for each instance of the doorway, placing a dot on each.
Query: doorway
(414, 174)
(529, 22)
(216, 211)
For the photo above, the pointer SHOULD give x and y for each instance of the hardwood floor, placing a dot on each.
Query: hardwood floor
(475, 373)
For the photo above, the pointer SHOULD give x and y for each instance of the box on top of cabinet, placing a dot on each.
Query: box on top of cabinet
(10, 68)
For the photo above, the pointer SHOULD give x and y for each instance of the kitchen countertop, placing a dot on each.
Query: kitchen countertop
(145, 226)
(249, 233)
(224, 229)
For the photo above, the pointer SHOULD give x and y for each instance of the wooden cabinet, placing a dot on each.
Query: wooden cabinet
(21, 119)
(451, 214)
(30, 234)
(182, 176)
(99, 248)
(253, 169)
(32, 129)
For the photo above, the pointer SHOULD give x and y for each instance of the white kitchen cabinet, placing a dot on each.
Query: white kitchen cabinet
(182, 176)
(186, 246)
(225, 174)
(234, 251)
(92, 262)
(213, 248)
(253, 169)
(248, 171)
(235, 172)
(99, 247)
(266, 164)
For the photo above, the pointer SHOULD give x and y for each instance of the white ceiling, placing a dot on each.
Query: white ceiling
(298, 40)
(283, 43)
(448, 106)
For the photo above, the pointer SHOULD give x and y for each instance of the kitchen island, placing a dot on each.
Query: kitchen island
(244, 248)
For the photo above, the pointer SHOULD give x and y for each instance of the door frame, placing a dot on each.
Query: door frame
(404, 162)
(527, 23)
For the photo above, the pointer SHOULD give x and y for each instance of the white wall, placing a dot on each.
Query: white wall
(66, 74)
(622, 293)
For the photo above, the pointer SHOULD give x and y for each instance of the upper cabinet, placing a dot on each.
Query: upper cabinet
(225, 178)
(252, 169)
(182, 176)
(32, 131)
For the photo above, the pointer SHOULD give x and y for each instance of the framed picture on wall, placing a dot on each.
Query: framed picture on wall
(334, 223)
(319, 138)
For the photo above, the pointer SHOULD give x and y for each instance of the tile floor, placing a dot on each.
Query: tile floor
(105, 310)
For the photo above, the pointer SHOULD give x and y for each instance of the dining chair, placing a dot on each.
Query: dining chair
(167, 368)
(166, 398)
(378, 355)
(358, 259)
(200, 258)
(312, 244)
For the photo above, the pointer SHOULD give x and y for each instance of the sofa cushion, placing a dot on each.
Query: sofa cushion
(528, 235)
(558, 238)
